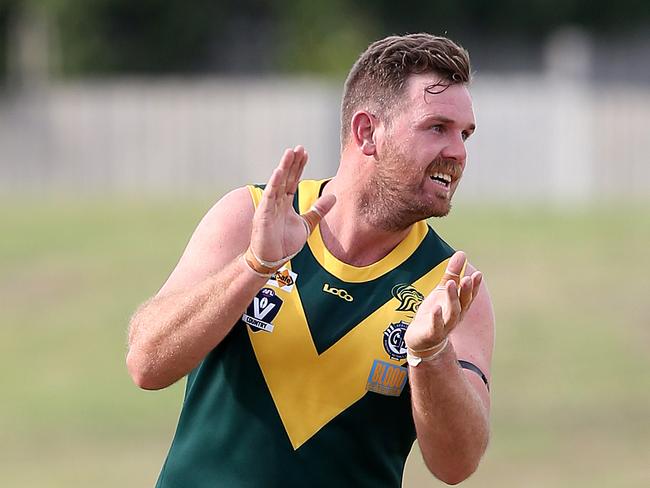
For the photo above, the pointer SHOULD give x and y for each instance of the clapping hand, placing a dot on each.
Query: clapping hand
(278, 230)
(443, 309)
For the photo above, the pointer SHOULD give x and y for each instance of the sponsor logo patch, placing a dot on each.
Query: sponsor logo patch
(262, 310)
(409, 298)
(394, 340)
(386, 378)
(284, 279)
(339, 292)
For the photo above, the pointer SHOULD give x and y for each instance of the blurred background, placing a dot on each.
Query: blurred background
(122, 122)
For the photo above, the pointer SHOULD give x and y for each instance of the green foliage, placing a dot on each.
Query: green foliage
(181, 36)
(322, 37)
(506, 18)
(103, 36)
(7, 9)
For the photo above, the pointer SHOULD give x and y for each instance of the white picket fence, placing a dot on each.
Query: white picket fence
(538, 138)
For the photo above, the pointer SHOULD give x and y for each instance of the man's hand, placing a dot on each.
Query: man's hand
(278, 231)
(443, 309)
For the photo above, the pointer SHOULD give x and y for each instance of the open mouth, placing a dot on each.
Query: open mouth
(443, 179)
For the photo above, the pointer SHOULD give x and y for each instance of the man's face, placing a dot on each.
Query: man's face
(421, 154)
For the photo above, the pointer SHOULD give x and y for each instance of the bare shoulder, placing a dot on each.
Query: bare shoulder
(473, 338)
(221, 235)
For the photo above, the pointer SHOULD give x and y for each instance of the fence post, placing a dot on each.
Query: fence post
(570, 144)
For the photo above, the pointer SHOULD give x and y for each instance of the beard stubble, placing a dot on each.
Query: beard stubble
(392, 202)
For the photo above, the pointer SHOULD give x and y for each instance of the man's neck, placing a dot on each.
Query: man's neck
(348, 235)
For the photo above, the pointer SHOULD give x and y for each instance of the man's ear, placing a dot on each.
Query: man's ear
(364, 125)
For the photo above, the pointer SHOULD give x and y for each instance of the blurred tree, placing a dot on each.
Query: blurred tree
(180, 36)
(7, 11)
(322, 36)
(104, 36)
(531, 19)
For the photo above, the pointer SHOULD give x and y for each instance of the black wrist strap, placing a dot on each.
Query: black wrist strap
(472, 367)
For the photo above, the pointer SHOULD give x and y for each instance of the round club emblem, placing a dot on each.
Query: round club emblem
(394, 340)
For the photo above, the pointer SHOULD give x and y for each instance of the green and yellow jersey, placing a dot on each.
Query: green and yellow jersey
(310, 388)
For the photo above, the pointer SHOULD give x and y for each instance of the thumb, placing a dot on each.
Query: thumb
(318, 210)
(455, 267)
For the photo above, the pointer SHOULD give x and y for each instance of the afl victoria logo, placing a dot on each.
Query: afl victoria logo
(394, 340)
(339, 292)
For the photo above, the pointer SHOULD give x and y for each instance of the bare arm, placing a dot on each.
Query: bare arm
(211, 286)
(451, 405)
(201, 301)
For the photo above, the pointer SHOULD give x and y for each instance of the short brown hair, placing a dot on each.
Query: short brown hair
(378, 78)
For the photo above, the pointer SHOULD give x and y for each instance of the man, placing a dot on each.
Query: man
(297, 309)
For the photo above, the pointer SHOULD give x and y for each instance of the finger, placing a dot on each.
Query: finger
(303, 164)
(272, 189)
(325, 203)
(454, 268)
(294, 179)
(277, 182)
(475, 281)
(438, 325)
(453, 305)
(465, 293)
(287, 164)
(295, 170)
(317, 211)
(477, 278)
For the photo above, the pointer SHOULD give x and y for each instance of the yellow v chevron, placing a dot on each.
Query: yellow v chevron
(310, 389)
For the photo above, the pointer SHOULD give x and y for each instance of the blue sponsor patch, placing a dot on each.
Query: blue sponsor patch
(386, 378)
(262, 310)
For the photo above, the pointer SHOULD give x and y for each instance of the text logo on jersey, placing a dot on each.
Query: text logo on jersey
(262, 310)
(339, 292)
(409, 298)
(394, 340)
(387, 379)
(284, 279)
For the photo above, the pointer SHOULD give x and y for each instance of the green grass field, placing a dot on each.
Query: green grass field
(571, 376)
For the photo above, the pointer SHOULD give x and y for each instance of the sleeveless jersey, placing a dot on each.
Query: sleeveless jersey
(310, 387)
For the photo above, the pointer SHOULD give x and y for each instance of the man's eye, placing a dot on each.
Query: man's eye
(437, 128)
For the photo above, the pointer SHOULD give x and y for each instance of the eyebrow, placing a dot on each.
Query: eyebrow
(447, 120)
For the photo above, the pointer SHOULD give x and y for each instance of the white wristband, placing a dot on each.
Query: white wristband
(253, 270)
(274, 264)
(413, 360)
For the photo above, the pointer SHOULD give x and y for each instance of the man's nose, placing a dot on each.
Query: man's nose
(455, 149)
